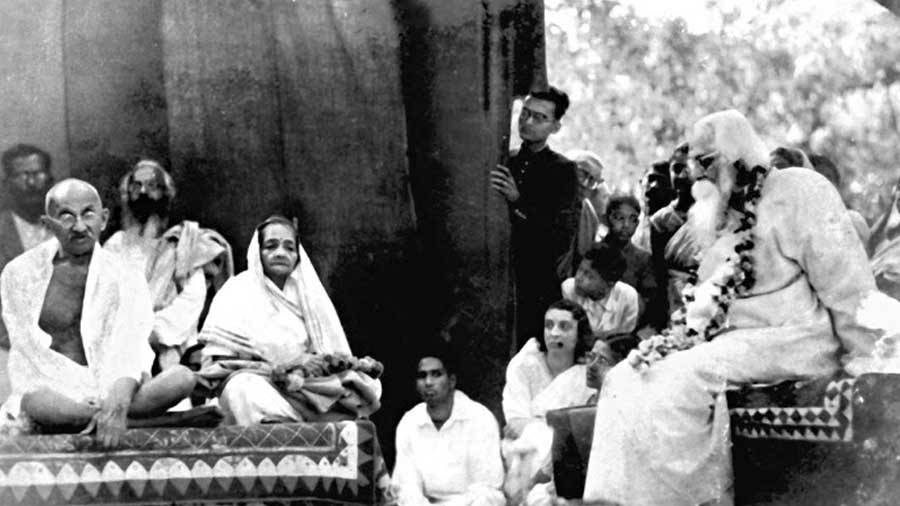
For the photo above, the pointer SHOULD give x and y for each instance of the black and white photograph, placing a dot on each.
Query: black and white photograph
(450, 252)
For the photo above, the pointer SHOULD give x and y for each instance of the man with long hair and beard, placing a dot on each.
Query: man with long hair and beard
(782, 292)
(180, 263)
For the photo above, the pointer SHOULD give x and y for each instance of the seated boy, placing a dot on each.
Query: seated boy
(612, 306)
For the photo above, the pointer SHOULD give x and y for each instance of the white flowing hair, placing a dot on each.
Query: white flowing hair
(731, 135)
(586, 160)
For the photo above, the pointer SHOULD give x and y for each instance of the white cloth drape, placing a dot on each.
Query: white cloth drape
(662, 435)
(116, 321)
(251, 313)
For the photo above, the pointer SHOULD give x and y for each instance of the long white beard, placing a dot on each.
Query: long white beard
(706, 216)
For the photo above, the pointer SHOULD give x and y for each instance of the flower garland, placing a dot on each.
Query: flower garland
(705, 312)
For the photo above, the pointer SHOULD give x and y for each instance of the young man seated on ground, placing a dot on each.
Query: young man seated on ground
(78, 323)
(612, 306)
(448, 446)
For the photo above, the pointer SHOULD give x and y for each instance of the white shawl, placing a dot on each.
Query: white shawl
(531, 390)
(116, 320)
(251, 318)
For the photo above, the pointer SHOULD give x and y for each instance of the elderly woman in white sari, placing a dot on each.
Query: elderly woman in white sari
(275, 348)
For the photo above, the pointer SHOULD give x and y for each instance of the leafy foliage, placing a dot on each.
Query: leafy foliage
(824, 79)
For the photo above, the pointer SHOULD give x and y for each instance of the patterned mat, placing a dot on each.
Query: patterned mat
(831, 420)
(298, 463)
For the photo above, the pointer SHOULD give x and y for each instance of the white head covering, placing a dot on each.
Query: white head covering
(252, 316)
(587, 161)
(305, 296)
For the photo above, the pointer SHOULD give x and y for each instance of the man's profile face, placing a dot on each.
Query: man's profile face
(433, 384)
(29, 180)
(600, 359)
(657, 192)
(704, 159)
(537, 120)
(76, 219)
(679, 171)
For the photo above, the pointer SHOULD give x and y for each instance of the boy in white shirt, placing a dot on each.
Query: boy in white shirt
(612, 306)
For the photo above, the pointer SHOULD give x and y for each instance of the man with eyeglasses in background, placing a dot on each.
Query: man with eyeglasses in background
(540, 187)
(27, 179)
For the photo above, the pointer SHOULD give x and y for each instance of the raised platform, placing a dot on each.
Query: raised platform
(317, 463)
(829, 442)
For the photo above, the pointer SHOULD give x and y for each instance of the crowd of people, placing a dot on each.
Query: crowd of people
(100, 338)
(739, 265)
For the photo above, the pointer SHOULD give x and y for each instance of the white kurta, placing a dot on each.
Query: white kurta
(617, 313)
(458, 464)
(662, 435)
(115, 323)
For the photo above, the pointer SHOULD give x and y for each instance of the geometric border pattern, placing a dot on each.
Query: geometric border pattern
(335, 462)
(830, 422)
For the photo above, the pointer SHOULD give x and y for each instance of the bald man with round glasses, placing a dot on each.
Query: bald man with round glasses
(78, 322)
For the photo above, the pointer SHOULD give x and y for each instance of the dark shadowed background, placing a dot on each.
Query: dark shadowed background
(374, 122)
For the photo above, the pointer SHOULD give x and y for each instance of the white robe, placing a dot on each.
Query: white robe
(116, 320)
(173, 265)
(252, 318)
(661, 436)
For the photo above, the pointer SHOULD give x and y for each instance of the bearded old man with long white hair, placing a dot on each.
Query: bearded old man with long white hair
(783, 288)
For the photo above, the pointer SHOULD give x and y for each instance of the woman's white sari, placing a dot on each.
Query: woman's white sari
(530, 392)
(252, 318)
(253, 326)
